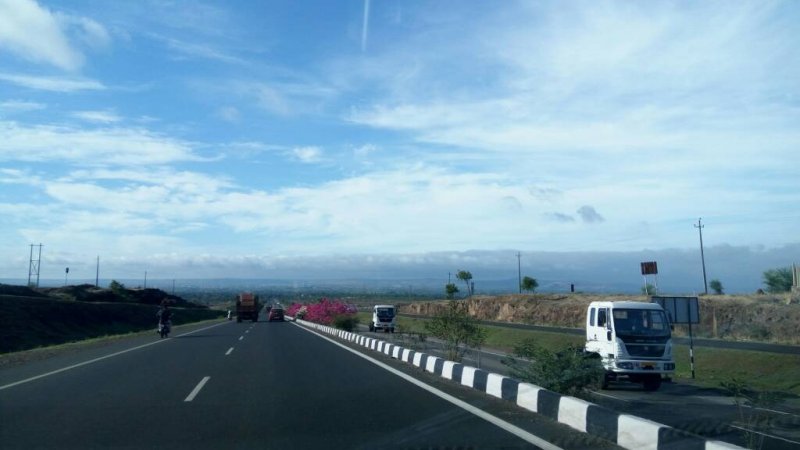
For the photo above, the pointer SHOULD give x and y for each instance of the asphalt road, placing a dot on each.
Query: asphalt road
(697, 342)
(248, 385)
(699, 410)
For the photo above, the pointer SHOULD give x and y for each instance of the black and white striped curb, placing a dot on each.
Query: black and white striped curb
(625, 430)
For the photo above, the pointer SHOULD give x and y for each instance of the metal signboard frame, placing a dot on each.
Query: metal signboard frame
(681, 310)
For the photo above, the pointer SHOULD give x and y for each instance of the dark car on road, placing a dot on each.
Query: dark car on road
(276, 313)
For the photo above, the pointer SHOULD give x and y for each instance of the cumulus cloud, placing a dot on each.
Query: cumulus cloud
(39, 35)
(589, 215)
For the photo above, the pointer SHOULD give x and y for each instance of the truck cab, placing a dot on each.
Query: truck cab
(633, 341)
(383, 318)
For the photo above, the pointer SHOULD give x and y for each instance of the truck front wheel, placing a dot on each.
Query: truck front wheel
(652, 383)
(604, 381)
(371, 327)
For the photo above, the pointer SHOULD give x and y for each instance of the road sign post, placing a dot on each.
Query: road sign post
(649, 268)
(681, 310)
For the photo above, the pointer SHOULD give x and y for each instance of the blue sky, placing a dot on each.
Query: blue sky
(178, 134)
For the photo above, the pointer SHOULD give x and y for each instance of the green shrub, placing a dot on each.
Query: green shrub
(568, 372)
(457, 329)
(346, 322)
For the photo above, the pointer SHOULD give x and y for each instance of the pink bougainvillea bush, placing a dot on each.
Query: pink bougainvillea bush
(325, 311)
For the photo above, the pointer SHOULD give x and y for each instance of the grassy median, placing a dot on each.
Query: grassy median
(760, 370)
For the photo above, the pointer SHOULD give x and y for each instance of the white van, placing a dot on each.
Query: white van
(633, 340)
(383, 318)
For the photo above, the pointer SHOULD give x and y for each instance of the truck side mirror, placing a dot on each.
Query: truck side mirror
(608, 335)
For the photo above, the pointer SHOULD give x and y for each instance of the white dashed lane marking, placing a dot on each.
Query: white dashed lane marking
(197, 389)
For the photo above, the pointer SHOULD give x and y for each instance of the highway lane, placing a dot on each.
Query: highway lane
(263, 385)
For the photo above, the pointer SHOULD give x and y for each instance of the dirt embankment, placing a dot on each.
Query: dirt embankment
(737, 317)
(31, 318)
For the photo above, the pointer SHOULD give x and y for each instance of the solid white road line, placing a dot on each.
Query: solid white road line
(229, 351)
(610, 396)
(64, 369)
(513, 429)
(241, 337)
(196, 389)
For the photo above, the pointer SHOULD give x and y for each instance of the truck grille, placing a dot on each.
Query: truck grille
(646, 350)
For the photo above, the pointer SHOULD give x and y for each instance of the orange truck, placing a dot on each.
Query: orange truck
(247, 307)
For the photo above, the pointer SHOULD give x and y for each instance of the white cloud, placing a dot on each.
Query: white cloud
(34, 33)
(364, 151)
(87, 31)
(129, 146)
(14, 106)
(204, 51)
(104, 117)
(37, 34)
(283, 98)
(55, 84)
(307, 155)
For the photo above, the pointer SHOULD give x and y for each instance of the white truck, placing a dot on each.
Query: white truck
(633, 340)
(383, 318)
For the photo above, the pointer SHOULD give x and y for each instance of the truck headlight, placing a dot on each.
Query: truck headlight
(625, 365)
(621, 351)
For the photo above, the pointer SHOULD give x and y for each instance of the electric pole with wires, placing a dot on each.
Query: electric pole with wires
(700, 227)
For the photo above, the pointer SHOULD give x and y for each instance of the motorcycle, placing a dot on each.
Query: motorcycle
(164, 328)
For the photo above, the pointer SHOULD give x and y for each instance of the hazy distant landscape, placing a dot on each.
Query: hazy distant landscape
(739, 269)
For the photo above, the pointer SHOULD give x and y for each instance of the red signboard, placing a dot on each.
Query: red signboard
(649, 268)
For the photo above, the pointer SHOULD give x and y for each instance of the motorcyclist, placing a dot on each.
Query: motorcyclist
(164, 315)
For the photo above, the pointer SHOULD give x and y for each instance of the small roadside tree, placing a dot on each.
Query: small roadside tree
(466, 277)
(569, 371)
(716, 286)
(457, 329)
(529, 284)
(116, 286)
(451, 290)
(778, 280)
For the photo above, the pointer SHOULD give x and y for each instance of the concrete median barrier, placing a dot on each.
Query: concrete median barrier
(625, 430)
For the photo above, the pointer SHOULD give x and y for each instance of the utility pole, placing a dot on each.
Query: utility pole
(145, 279)
(519, 272)
(97, 273)
(700, 227)
(34, 265)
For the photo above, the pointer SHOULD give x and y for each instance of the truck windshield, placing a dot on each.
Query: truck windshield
(640, 322)
(386, 312)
